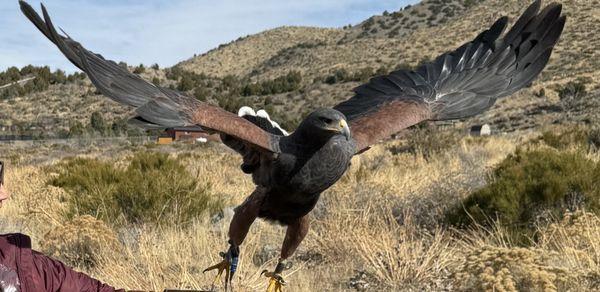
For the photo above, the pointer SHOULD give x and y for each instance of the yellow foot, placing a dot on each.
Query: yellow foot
(276, 281)
(223, 266)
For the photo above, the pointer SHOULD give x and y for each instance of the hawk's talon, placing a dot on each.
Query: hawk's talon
(223, 266)
(227, 265)
(276, 281)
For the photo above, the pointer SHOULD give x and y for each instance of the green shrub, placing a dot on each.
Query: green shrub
(532, 185)
(76, 129)
(139, 69)
(286, 83)
(201, 93)
(564, 140)
(577, 137)
(153, 188)
(342, 75)
(43, 79)
(97, 122)
(119, 127)
(573, 89)
(186, 83)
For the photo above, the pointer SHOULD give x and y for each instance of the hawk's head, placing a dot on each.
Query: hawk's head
(325, 123)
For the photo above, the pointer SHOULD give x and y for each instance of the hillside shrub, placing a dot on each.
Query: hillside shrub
(98, 126)
(572, 92)
(342, 75)
(42, 81)
(530, 186)
(573, 89)
(201, 93)
(286, 83)
(97, 122)
(152, 188)
(578, 137)
(186, 83)
(139, 69)
(120, 127)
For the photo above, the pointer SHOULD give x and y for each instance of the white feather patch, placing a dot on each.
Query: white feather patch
(276, 125)
(263, 114)
(248, 111)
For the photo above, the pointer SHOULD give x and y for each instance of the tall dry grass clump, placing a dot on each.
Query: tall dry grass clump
(565, 257)
(78, 241)
(493, 268)
(575, 241)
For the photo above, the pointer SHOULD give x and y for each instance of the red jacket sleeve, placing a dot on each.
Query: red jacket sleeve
(55, 276)
(38, 273)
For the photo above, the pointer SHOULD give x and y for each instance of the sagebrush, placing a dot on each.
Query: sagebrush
(149, 187)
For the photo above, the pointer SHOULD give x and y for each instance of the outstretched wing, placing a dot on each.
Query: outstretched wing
(458, 84)
(156, 107)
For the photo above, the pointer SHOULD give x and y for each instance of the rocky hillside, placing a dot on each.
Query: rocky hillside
(315, 54)
(292, 70)
(399, 24)
(317, 50)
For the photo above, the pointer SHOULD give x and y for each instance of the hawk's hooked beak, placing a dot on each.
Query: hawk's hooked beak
(344, 129)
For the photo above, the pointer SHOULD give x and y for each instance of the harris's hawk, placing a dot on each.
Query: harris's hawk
(291, 171)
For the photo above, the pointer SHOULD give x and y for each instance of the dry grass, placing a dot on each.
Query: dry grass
(378, 228)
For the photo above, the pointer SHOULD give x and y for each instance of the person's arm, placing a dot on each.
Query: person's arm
(56, 276)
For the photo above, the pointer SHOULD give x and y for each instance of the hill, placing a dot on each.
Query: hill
(292, 70)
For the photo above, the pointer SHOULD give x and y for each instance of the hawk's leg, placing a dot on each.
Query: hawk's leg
(294, 235)
(244, 216)
(227, 265)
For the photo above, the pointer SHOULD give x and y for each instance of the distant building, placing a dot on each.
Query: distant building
(190, 134)
(481, 130)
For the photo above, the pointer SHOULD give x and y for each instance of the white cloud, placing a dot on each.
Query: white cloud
(164, 31)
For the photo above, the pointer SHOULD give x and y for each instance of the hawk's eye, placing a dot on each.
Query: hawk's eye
(326, 120)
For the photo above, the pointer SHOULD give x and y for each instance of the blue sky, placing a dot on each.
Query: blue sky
(165, 31)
